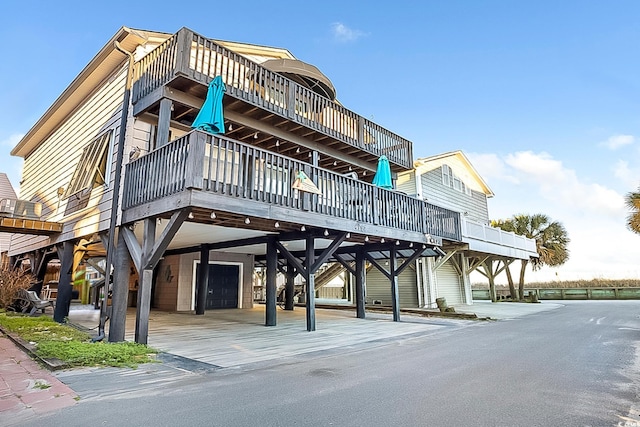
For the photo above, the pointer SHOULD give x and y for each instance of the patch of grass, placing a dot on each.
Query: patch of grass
(74, 347)
(42, 385)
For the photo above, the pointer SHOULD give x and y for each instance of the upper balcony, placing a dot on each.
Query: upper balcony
(233, 184)
(186, 63)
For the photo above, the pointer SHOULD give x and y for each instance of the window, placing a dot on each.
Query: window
(446, 176)
(91, 169)
(449, 179)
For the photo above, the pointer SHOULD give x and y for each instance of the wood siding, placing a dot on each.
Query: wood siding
(379, 287)
(449, 284)
(407, 183)
(434, 191)
(6, 192)
(52, 164)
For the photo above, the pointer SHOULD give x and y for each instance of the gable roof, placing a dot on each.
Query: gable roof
(6, 189)
(107, 60)
(426, 164)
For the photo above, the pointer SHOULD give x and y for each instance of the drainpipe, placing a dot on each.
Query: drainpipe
(116, 193)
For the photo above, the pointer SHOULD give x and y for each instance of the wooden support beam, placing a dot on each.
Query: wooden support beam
(289, 287)
(164, 121)
(270, 298)
(361, 277)
(328, 252)
(311, 288)
(344, 263)
(377, 265)
(395, 297)
(135, 250)
(121, 273)
(407, 262)
(152, 258)
(146, 283)
(63, 299)
(203, 280)
(291, 259)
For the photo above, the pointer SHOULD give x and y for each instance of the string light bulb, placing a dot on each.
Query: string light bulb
(213, 215)
(303, 228)
(276, 225)
(247, 221)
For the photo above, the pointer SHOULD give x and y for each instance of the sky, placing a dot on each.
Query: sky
(542, 96)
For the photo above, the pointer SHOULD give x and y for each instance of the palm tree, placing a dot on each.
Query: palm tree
(551, 242)
(632, 201)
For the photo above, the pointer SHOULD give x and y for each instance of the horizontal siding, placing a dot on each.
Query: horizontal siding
(6, 192)
(437, 193)
(52, 164)
(407, 183)
(449, 284)
(379, 288)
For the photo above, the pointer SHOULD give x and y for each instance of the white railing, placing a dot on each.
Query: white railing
(486, 233)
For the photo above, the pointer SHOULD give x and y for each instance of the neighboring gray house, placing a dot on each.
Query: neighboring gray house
(449, 180)
(6, 193)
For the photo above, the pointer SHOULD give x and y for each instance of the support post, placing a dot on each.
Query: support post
(272, 270)
(121, 273)
(360, 284)
(289, 287)
(395, 299)
(146, 281)
(311, 288)
(63, 299)
(164, 120)
(144, 307)
(203, 280)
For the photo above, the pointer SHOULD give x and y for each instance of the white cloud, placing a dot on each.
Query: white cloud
(616, 141)
(11, 141)
(593, 213)
(560, 185)
(490, 166)
(344, 34)
(628, 175)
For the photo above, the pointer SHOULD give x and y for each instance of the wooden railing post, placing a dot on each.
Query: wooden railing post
(184, 38)
(194, 161)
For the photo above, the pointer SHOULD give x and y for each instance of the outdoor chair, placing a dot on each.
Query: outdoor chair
(31, 302)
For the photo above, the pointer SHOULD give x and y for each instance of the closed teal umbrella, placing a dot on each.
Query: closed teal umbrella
(210, 118)
(382, 178)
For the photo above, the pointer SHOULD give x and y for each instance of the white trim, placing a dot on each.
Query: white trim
(194, 278)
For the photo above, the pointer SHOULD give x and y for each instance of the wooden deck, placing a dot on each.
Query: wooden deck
(230, 183)
(29, 226)
(182, 67)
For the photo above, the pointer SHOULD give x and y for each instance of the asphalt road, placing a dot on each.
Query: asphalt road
(574, 366)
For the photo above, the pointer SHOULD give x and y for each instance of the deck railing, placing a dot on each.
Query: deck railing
(191, 55)
(490, 234)
(223, 166)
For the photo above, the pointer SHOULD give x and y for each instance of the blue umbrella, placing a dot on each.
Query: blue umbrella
(210, 117)
(382, 178)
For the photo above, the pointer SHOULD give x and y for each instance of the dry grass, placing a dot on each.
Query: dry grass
(594, 283)
(11, 282)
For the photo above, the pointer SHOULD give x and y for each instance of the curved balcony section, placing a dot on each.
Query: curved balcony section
(199, 59)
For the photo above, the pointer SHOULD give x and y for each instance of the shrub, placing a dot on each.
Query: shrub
(12, 281)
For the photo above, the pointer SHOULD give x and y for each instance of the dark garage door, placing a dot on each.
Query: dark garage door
(222, 291)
